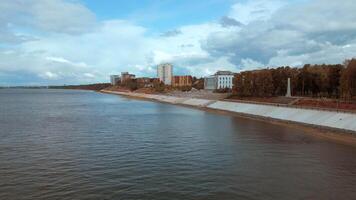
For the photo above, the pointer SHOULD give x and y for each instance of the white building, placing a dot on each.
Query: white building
(224, 79)
(220, 80)
(210, 83)
(165, 73)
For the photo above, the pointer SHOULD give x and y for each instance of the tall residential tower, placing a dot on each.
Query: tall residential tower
(165, 73)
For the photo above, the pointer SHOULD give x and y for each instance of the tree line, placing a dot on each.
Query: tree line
(96, 86)
(331, 81)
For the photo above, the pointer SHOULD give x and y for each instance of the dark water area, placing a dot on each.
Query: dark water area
(65, 144)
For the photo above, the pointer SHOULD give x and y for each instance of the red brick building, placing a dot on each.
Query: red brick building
(181, 81)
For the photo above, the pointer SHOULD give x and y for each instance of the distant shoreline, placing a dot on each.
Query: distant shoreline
(345, 134)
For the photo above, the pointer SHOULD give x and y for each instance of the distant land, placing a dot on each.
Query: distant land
(95, 86)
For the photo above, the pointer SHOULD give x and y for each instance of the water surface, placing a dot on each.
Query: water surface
(66, 144)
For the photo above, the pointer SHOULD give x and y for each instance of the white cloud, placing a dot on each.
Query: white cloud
(210, 67)
(65, 61)
(249, 64)
(46, 15)
(255, 10)
(294, 34)
(89, 75)
(49, 75)
(61, 41)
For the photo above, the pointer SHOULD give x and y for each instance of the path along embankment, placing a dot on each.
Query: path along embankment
(328, 120)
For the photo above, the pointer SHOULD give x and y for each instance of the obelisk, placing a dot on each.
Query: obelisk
(288, 89)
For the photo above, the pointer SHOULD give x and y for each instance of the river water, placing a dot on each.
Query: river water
(66, 144)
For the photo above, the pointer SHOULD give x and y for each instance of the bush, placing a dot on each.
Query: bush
(222, 90)
(186, 88)
(159, 87)
(130, 84)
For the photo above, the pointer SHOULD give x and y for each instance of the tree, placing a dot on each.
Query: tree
(130, 84)
(159, 86)
(348, 80)
(310, 80)
(198, 83)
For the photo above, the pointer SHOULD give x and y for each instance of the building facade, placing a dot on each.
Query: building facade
(220, 80)
(181, 81)
(210, 83)
(224, 79)
(115, 79)
(165, 73)
(144, 82)
(126, 76)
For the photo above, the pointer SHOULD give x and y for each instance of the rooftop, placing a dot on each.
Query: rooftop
(224, 73)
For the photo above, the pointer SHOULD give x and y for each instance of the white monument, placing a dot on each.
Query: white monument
(288, 89)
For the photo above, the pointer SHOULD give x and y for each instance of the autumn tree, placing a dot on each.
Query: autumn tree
(348, 80)
(310, 80)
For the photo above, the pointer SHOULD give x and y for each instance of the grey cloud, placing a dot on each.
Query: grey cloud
(227, 21)
(263, 11)
(337, 37)
(61, 16)
(186, 45)
(7, 37)
(171, 33)
(20, 67)
(189, 61)
(57, 16)
(300, 32)
(178, 70)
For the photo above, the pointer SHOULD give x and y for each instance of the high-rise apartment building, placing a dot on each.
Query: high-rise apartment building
(165, 73)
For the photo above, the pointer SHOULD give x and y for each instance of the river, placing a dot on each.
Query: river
(67, 144)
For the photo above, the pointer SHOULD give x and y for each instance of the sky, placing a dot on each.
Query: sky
(56, 42)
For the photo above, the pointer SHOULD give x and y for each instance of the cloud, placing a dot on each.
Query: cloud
(65, 61)
(113, 47)
(89, 75)
(21, 18)
(7, 37)
(49, 75)
(249, 64)
(60, 16)
(227, 21)
(295, 34)
(61, 42)
(171, 33)
(255, 10)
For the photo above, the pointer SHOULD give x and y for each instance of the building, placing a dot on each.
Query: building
(210, 83)
(144, 82)
(224, 79)
(220, 80)
(115, 79)
(181, 81)
(165, 73)
(126, 76)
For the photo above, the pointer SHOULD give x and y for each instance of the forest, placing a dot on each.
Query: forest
(96, 86)
(336, 81)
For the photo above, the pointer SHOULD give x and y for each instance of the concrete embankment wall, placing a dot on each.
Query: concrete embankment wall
(325, 119)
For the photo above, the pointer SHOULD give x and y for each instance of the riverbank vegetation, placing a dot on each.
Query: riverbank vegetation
(96, 86)
(330, 81)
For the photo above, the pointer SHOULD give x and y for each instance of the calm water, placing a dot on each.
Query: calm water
(63, 144)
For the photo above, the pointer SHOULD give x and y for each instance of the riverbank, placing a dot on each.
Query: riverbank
(338, 126)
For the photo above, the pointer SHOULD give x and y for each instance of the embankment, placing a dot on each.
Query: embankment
(340, 122)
